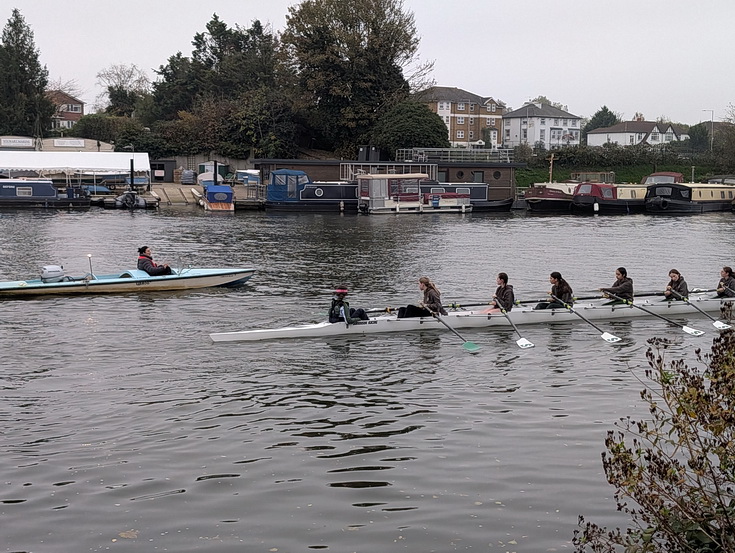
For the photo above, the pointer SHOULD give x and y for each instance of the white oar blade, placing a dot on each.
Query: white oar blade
(610, 337)
(692, 331)
(721, 326)
(523, 343)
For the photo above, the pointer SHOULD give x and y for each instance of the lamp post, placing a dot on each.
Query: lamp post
(712, 128)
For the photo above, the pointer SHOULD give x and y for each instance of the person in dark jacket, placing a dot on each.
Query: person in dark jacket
(503, 297)
(561, 289)
(340, 310)
(430, 304)
(726, 286)
(145, 263)
(677, 287)
(623, 286)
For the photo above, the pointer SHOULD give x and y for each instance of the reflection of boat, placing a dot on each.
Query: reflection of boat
(40, 193)
(604, 198)
(53, 281)
(595, 310)
(677, 197)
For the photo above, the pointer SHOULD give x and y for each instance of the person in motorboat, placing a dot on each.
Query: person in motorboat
(561, 289)
(726, 286)
(146, 263)
(677, 287)
(622, 287)
(340, 311)
(431, 302)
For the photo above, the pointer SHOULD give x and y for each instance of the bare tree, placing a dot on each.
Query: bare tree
(121, 77)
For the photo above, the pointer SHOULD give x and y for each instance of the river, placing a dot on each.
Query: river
(124, 428)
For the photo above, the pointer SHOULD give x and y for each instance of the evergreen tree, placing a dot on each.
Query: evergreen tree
(24, 107)
(410, 125)
(603, 118)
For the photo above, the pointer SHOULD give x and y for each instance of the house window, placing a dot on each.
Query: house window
(460, 134)
(564, 123)
(669, 136)
(472, 134)
(524, 134)
(632, 140)
(574, 122)
(460, 120)
(460, 106)
(74, 108)
(66, 124)
(543, 121)
(472, 107)
(556, 121)
(488, 121)
(472, 120)
(492, 122)
(654, 137)
(507, 134)
(542, 134)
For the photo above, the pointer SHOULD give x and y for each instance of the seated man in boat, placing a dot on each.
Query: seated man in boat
(677, 288)
(429, 304)
(726, 286)
(560, 289)
(340, 311)
(146, 263)
(622, 287)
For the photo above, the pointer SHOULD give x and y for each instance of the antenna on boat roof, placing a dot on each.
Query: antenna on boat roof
(91, 272)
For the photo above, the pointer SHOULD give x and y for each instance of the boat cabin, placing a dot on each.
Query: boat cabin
(40, 193)
(689, 197)
(595, 197)
(290, 189)
(664, 177)
(406, 193)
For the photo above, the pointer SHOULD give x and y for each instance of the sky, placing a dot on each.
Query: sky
(662, 58)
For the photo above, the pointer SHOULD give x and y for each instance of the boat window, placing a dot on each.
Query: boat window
(722, 194)
(497, 175)
(584, 189)
(632, 194)
(729, 194)
(462, 191)
(607, 193)
(414, 190)
(685, 193)
(663, 191)
(24, 191)
(700, 193)
(436, 190)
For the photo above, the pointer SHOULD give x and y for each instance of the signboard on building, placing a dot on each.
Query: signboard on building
(16, 142)
(69, 142)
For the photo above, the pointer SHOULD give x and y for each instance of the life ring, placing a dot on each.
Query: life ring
(664, 203)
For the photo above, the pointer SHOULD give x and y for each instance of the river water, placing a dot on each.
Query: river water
(124, 428)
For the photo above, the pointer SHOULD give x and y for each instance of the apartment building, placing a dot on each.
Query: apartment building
(541, 125)
(472, 121)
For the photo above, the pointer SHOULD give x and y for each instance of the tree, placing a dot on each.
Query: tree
(544, 100)
(349, 57)
(409, 125)
(699, 139)
(678, 467)
(125, 86)
(24, 107)
(104, 127)
(601, 119)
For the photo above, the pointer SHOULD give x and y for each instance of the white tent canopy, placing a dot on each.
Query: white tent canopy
(74, 162)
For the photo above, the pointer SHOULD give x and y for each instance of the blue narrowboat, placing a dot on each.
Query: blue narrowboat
(40, 193)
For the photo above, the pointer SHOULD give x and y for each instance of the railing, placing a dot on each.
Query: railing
(349, 171)
(435, 155)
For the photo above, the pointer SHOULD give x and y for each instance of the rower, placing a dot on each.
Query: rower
(726, 286)
(622, 287)
(340, 311)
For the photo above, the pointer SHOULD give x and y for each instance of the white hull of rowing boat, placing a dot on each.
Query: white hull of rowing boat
(130, 281)
(592, 311)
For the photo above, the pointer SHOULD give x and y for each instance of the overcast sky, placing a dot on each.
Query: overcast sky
(668, 58)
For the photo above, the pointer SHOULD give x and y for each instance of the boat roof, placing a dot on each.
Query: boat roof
(74, 162)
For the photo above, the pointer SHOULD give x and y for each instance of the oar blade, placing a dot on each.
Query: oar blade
(524, 344)
(610, 337)
(471, 347)
(719, 325)
(692, 331)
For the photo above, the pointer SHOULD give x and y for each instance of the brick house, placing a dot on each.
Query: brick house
(69, 109)
(472, 121)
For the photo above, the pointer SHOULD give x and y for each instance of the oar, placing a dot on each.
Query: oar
(717, 324)
(687, 329)
(469, 346)
(522, 343)
(604, 335)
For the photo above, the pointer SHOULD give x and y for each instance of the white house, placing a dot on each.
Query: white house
(630, 133)
(536, 124)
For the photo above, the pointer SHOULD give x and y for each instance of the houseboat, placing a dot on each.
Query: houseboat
(557, 197)
(40, 193)
(678, 198)
(402, 193)
(605, 198)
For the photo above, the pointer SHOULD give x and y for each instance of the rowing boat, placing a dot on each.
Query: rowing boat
(54, 282)
(597, 310)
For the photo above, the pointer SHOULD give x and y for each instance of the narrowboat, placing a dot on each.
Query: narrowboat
(550, 197)
(40, 193)
(682, 198)
(604, 198)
